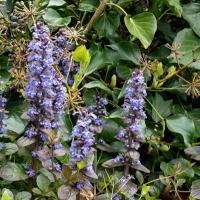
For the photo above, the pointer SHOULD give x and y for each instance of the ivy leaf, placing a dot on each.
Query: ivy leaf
(143, 26)
(181, 124)
(191, 13)
(175, 6)
(98, 61)
(53, 18)
(163, 107)
(127, 51)
(107, 24)
(12, 172)
(188, 48)
(56, 3)
(88, 5)
(97, 84)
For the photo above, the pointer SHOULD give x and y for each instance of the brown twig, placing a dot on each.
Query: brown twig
(97, 13)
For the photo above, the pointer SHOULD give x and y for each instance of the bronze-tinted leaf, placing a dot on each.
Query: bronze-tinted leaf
(66, 193)
(24, 141)
(111, 163)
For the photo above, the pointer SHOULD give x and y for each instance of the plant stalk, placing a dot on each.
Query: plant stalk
(97, 13)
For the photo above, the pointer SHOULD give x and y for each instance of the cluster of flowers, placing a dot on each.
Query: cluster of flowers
(63, 57)
(3, 115)
(84, 131)
(133, 114)
(45, 91)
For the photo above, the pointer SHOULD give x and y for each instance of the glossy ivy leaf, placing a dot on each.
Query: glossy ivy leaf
(54, 3)
(97, 84)
(98, 61)
(12, 172)
(184, 166)
(188, 48)
(107, 24)
(184, 126)
(127, 51)
(43, 183)
(23, 196)
(53, 18)
(161, 106)
(7, 195)
(123, 70)
(175, 6)
(88, 5)
(191, 13)
(143, 26)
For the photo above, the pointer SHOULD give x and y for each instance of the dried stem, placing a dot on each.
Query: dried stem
(97, 13)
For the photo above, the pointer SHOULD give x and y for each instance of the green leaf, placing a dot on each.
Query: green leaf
(143, 26)
(107, 24)
(12, 172)
(82, 55)
(43, 183)
(48, 174)
(53, 18)
(123, 70)
(10, 148)
(97, 84)
(191, 13)
(127, 51)
(175, 6)
(163, 107)
(15, 124)
(56, 3)
(98, 61)
(7, 195)
(145, 190)
(118, 146)
(188, 48)
(181, 124)
(81, 165)
(167, 168)
(23, 196)
(88, 5)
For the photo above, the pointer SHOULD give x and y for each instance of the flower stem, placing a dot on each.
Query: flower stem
(119, 7)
